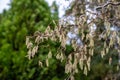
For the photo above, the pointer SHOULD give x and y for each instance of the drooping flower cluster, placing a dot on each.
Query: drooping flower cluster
(81, 38)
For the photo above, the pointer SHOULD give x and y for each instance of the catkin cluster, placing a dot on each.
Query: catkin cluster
(81, 57)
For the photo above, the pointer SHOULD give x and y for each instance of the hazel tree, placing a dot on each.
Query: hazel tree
(89, 27)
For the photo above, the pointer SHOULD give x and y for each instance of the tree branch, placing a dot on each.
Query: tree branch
(108, 3)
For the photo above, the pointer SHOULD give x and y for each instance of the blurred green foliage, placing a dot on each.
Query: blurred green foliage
(23, 18)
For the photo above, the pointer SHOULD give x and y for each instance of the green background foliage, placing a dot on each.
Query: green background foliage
(22, 19)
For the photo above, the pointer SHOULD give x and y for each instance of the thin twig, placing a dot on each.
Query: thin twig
(108, 3)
